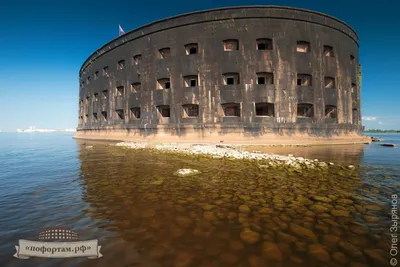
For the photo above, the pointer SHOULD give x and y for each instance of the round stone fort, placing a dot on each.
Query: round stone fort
(249, 73)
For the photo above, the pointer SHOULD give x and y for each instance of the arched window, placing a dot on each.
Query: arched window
(191, 110)
(231, 109)
(330, 112)
(265, 109)
(305, 110)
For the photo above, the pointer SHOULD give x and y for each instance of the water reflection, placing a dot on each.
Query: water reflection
(343, 154)
(232, 214)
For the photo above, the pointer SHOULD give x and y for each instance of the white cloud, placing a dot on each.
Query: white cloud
(369, 118)
(379, 122)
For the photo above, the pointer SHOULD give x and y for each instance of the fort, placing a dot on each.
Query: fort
(240, 74)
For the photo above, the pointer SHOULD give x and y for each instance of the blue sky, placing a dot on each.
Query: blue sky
(44, 43)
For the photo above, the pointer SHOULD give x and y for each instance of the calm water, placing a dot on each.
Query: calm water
(232, 214)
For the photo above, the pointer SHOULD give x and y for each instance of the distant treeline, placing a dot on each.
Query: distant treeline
(381, 131)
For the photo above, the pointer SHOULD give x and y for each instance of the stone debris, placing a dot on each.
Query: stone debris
(233, 152)
(186, 172)
(136, 145)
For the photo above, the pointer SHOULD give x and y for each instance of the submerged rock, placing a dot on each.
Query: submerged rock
(271, 251)
(228, 257)
(286, 238)
(319, 208)
(236, 245)
(330, 241)
(249, 236)
(186, 172)
(350, 249)
(376, 255)
(244, 208)
(319, 252)
(340, 213)
(300, 246)
(321, 199)
(345, 201)
(373, 207)
(340, 257)
(303, 232)
(183, 259)
(255, 261)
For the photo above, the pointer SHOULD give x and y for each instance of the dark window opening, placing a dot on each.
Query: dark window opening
(355, 116)
(164, 83)
(165, 52)
(264, 44)
(94, 116)
(305, 110)
(135, 87)
(105, 71)
(328, 51)
(120, 114)
(190, 81)
(191, 49)
(352, 58)
(330, 112)
(191, 110)
(354, 91)
(265, 78)
(121, 64)
(265, 109)
(231, 110)
(303, 47)
(231, 45)
(135, 113)
(164, 111)
(96, 75)
(86, 118)
(105, 94)
(304, 80)
(104, 114)
(120, 91)
(88, 80)
(329, 82)
(231, 78)
(96, 97)
(137, 59)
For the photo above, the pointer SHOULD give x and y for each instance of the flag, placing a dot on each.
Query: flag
(121, 31)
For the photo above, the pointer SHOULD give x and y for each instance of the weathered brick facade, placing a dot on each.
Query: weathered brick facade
(247, 71)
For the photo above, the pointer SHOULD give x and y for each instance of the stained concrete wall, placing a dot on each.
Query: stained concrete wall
(208, 29)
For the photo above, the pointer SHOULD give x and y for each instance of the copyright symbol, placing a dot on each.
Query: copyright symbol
(393, 261)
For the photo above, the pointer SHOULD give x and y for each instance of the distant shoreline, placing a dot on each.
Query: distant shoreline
(381, 131)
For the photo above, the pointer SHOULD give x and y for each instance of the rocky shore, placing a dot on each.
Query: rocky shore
(234, 152)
